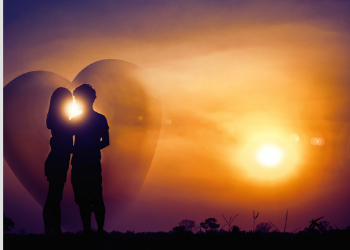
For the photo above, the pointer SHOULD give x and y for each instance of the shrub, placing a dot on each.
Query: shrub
(8, 224)
(263, 227)
(179, 229)
(325, 225)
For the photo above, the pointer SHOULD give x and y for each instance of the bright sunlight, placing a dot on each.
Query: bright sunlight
(269, 155)
(73, 110)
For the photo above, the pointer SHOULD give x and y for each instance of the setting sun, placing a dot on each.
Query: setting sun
(269, 156)
(263, 154)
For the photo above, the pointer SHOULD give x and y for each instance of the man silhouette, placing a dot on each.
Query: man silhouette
(91, 135)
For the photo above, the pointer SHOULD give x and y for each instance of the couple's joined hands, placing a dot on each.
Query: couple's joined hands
(96, 147)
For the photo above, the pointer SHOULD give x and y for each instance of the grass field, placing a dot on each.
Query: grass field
(333, 239)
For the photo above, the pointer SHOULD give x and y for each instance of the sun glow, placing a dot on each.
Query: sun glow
(73, 110)
(269, 155)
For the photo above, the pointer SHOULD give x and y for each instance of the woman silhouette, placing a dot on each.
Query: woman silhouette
(57, 162)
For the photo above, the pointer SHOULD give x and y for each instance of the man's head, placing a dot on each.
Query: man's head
(85, 96)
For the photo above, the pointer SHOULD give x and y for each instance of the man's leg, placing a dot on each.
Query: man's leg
(82, 200)
(85, 214)
(100, 220)
(98, 206)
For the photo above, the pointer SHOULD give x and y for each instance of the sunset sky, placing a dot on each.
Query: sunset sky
(234, 77)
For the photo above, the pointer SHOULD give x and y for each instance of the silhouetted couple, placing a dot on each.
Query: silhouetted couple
(91, 135)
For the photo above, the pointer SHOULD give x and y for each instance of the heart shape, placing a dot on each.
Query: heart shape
(128, 98)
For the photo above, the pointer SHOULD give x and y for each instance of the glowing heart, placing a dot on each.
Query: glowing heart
(127, 97)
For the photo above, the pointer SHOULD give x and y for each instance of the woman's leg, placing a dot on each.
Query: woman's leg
(52, 210)
(47, 218)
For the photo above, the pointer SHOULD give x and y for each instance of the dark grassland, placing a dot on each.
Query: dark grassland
(333, 239)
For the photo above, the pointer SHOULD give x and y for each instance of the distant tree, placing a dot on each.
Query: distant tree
(210, 225)
(22, 231)
(8, 224)
(189, 225)
(263, 227)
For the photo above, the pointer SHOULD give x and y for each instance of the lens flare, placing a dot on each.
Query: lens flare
(317, 141)
(269, 155)
(294, 138)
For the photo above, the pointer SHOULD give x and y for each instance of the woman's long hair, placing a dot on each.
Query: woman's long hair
(55, 116)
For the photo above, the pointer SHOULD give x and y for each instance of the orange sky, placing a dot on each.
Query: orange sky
(231, 76)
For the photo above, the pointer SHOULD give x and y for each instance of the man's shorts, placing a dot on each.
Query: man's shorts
(87, 185)
(88, 191)
(86, 171)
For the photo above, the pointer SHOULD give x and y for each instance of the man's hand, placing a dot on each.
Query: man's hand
(105, 139)
(102, 144)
